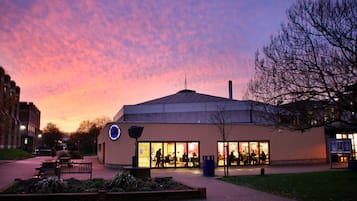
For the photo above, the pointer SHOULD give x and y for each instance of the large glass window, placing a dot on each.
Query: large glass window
(144, 154)
(233, 157)
(169, 157)
(264, 153)
(254, 153)
(181, 154)
(353, 138)
(193, 154)
(243, 153)
(222, 153)
(168, 154)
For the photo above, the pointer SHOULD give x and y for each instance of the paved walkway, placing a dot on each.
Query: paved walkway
(216, 189)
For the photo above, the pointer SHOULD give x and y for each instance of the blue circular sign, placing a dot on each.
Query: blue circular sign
(114, 132)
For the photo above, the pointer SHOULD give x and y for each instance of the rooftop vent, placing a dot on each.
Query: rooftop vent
(187, 91)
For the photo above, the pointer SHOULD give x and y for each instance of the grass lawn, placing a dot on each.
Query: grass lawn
(339, 185)
(14, 154)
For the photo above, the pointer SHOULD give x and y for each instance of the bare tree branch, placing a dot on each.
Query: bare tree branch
(311, 61)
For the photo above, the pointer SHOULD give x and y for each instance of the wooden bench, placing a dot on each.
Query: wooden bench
(77, 168)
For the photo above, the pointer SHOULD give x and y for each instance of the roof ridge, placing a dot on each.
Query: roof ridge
(186, 96)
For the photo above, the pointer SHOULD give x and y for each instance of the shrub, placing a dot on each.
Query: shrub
(14, 154)
(124, 180)
(49, 185)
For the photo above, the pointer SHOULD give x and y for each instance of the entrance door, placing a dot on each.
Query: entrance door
(157, 155)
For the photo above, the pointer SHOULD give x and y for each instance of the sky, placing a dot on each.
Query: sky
(79, 60)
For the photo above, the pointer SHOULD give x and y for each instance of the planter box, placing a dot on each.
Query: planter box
(199, 193)
(141, 173)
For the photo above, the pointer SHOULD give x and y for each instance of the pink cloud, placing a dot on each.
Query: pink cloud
(79, 60)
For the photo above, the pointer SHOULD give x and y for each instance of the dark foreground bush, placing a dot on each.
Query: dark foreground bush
(122, 182)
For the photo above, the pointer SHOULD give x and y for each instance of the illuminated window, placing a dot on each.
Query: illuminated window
(243, 153)
(353, 138)
(168, 154)
(144, 154)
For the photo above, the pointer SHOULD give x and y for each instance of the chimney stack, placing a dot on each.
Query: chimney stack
(230, 89)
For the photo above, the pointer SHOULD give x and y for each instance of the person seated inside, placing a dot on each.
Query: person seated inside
(263, 157)
(194, 159)
(167, 158)
(253, 158)
(232, 158)
(240, 158)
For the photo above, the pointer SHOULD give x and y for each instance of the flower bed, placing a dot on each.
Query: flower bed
(122, 187)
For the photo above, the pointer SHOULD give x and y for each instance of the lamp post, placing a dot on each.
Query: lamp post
(24, 136)
(135, 132)
(39, 140)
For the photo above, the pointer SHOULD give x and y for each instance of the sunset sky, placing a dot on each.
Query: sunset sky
(79, 60)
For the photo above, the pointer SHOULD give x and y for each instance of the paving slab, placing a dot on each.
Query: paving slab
(215, 188)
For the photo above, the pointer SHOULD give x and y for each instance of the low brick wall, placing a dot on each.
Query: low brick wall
(199, 193)
(316, 161)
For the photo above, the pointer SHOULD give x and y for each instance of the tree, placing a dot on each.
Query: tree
(86, 125)
(223, 122)
(85, 138)
(51, 135)
(311, 64)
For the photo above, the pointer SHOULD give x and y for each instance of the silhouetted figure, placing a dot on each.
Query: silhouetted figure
(158, 158)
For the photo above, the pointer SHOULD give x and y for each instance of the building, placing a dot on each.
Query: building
(9, 112)
(181, 128)
(30, 117)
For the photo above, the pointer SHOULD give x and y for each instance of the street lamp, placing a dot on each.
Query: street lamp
(22, 127)
(135, 132)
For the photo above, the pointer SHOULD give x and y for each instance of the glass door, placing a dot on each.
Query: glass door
(157, 155)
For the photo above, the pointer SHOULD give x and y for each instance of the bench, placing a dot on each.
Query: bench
(48, 168)
(64, 159)
(77, 168)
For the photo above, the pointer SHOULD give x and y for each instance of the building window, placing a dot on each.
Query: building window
(236, 153)
(353, 138)
(168, 154)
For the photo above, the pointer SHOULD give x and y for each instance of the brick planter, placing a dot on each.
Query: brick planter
(199, 193)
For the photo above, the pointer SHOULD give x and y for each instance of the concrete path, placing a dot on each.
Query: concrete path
(216, 189)
(22, 169)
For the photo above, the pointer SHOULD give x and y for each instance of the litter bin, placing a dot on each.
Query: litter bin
(352, 165)
(208, 166)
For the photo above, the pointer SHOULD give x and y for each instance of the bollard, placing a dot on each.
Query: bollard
(262, 171)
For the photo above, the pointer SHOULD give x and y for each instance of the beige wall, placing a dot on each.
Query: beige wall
(285, 145)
